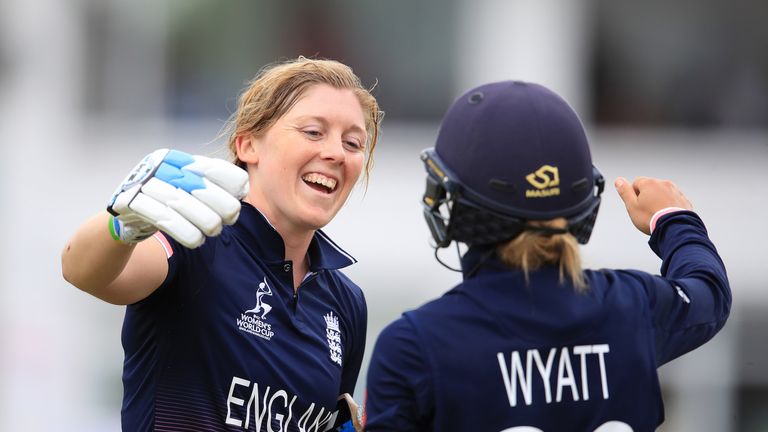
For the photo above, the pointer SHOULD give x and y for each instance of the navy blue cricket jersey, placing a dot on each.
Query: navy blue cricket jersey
(225, 345)
(496, 353)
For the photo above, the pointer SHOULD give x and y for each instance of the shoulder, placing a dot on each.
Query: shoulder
(398, 340)
(447, 304)
(342, 280)
(400, 329)
(348, 298)
(345, 287)
(187, 268)
(610, 282)
(631, 292)
(607, 281)
(400, 357)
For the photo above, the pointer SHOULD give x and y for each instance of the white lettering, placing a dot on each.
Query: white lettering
(582, 351)
(317, 423)
(254, 399)
(545, 371)
(516, 376)
(565, 379)
(510, 378)
(255, 326)
(611, 426)
(614, 426)
(231, 399)
(278, 417)
(290, 411)
(274, 410)
(600, 350)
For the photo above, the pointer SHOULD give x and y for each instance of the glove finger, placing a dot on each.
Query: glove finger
(168, 220)
(192, 209)
(228, 176)
(219, 200)
(215, 197)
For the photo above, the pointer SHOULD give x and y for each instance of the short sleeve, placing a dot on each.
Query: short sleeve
(184, 264)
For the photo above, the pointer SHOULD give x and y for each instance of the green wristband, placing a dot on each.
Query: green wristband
(113, 229)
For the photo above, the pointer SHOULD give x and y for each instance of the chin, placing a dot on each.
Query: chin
(318, 220)
(317, 215)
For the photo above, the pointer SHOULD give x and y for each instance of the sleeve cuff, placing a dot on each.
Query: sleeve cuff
(662, 212)
(160, 237)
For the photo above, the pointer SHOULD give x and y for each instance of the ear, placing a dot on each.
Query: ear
(246, 148)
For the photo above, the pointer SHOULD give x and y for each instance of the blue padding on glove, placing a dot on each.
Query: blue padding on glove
(178, 159)
(182, 179)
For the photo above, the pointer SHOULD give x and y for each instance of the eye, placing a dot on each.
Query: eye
(312, 133)
(354, 144)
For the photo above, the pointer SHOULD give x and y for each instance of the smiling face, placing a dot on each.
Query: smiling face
(303, 168)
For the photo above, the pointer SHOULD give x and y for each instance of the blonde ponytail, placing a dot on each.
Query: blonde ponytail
(531, 250)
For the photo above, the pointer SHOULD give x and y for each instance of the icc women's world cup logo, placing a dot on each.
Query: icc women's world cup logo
(262, 307)
(253, 321)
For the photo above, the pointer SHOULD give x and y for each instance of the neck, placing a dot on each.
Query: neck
(296, 246)
(296, 241)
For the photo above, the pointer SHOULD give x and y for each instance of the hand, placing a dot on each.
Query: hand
(187, 197)
(349, 416)
(646, 195)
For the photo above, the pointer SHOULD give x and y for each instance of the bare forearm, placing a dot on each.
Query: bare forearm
(92, 259)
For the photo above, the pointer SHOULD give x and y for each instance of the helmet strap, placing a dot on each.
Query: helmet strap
(437, 257)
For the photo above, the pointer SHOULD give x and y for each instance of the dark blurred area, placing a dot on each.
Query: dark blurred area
(212, 49)
(689, 63)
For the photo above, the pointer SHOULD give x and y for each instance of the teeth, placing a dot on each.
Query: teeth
(321, 180)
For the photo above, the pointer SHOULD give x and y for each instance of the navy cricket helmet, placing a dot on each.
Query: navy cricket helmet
(508, 153)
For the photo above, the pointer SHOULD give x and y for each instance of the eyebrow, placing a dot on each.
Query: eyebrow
(324, 121)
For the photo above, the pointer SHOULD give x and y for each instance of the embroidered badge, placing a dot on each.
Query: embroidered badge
(333, 335)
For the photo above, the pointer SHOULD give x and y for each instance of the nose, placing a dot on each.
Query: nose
(333, 148)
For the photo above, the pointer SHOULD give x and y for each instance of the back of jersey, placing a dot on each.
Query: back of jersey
(505, 353)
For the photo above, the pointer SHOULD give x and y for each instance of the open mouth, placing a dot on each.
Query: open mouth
(319, 182)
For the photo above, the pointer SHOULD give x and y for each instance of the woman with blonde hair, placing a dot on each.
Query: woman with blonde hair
(530, 341)
(238, 316)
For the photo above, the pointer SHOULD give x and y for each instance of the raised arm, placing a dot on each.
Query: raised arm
(187, 197)
(113, 271)
(691, 300)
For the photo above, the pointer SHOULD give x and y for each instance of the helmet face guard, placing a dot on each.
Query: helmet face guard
(453, 213)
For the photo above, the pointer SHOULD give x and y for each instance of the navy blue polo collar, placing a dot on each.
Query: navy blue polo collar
(267, 243)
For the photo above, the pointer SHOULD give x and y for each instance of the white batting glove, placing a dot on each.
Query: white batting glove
(186, 196)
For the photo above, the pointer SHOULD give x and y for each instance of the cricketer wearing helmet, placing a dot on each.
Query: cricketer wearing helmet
(530, 341)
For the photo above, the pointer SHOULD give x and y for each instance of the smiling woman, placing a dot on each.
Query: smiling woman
(240, 307)
(304, 166)
(277, 88)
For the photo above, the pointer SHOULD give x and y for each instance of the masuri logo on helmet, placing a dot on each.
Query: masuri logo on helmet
(545, 180)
